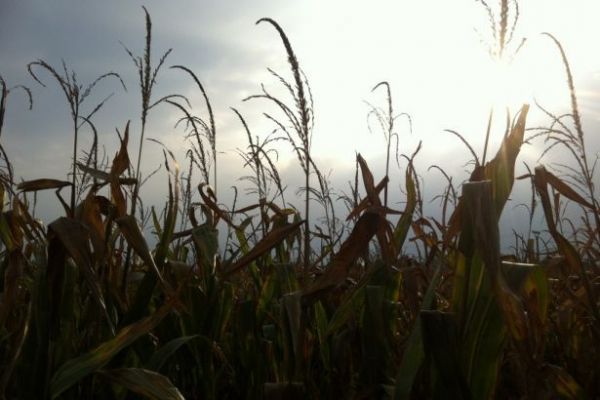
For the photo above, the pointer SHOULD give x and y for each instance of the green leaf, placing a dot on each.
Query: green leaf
(78, 368)
(563, 383)
(501, 170)
(206, 240)
(403, 225)
(347, 310)
(149, 384)
(133, 234)
(241, 235)
(6, 234)
(74, 237)
(161, 355)
(293, 311)
(266, 295)
(414, 353)
(484, 305)
(374, 343)
(321, 326)
(271, 239)
(440, 340)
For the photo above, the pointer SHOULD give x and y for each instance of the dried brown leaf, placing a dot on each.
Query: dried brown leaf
(353, 247)
(119, 165)
(41, 184)
(272, 239)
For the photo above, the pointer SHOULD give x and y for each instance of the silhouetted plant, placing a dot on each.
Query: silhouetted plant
(147, 74)
(200, 131)
(386, 120)
(8, 178)
(75, 94)
(298, 121)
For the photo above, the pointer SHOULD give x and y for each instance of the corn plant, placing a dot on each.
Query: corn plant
(456, 318)
(297, 125)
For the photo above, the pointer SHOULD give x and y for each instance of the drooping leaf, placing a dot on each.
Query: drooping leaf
(103, 175)
(132, 233)
(271, 239)
(571, 255)
(78, 368)
(74, 236)
(41, 184)
(353, 247)
(167, 350)
(210, 201)
(149, 384)
(563, 383)
(566, 190)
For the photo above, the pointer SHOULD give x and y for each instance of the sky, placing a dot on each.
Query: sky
(432, 52)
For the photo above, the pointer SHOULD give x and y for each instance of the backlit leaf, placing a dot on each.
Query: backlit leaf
(41, 184)
(271, 239)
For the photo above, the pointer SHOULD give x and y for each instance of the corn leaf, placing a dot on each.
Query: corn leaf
(119, 165)
(404, 223)
(41, 184)
(271, 239)
(564, 189)
(149, 384)
(132, 233)
(414, 353)
(167, 350)
(78, 368)
(353, 247)
(440, 340)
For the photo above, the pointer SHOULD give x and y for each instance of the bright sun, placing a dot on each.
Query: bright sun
(508, 84)
(440, 72)
(536, 72)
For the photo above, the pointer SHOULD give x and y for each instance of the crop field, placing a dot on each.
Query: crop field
(197, 299)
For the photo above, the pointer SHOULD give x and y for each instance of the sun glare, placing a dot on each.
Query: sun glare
(508, 84)
(535, 73)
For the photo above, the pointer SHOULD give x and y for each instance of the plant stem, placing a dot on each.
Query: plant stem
(307, 216)
(487, 135)
(76, 134)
